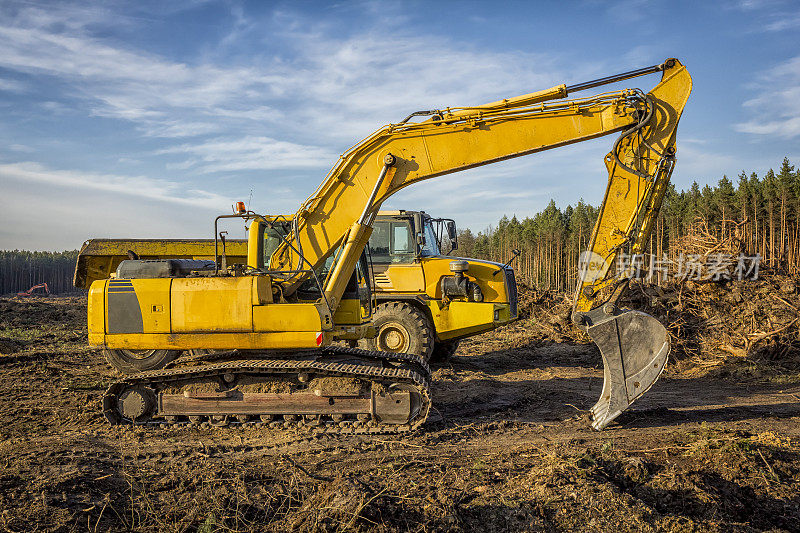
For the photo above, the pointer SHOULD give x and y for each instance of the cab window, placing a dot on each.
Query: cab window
(391, 242)
(272, 239)
(431, 246)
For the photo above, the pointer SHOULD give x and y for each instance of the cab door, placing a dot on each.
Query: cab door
(394, 257)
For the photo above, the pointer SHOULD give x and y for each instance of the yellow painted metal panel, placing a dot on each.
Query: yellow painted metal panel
(462, 319)
(287, 317)
(348, 313)
(262, 290)
(217, 341)
(161, 247)
(99, 258)
(402, 278)
(255, 244)
(481, 272)
(154, 296)
(212, 304)
(503, 314)
(96, 309)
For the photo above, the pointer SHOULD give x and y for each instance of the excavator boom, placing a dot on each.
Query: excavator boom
(455, 139)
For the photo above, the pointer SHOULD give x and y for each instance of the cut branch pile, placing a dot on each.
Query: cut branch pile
(709, 322)
(701, 242)
(756, 319)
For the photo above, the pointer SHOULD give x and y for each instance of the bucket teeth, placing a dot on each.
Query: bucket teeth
(634, 347)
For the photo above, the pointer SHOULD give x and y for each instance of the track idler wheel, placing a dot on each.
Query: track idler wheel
(132, 405)
(634, 347)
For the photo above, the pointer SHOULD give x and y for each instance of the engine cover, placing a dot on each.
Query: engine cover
(161, 268)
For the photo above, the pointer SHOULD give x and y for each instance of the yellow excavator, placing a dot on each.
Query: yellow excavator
(263, 332)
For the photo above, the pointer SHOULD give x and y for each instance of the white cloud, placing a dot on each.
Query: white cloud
(346, 88)
(318, 98)
(754, 5)
(21, 148)
(251, 153)
(136, 186)
(629, 11)
(775, 111)
(770, 15)
(12, 86)
(296, 110)
(178, 129)
(326, 75)
(707, 164)
(692, 140)
(74, 215)
(782, 23)
(118, 82)
(788, 127)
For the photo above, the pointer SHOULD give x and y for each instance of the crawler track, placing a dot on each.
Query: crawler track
(332, 390)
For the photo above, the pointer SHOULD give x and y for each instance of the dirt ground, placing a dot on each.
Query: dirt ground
(508, 448)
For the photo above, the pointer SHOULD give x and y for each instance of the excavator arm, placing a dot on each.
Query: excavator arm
(634, 346)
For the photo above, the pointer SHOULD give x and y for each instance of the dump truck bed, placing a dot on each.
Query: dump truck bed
(98, 258)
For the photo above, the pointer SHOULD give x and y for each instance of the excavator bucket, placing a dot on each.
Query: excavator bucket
(634, 347)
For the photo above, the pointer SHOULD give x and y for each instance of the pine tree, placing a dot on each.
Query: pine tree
(724, 201)
(784, 184)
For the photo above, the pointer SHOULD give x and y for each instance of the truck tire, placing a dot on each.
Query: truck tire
(133, 361)
(442, 351)
(401, 328)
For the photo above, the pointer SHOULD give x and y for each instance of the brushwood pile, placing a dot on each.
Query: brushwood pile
(754, 320)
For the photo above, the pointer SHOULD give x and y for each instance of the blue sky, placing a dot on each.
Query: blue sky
(137, 119)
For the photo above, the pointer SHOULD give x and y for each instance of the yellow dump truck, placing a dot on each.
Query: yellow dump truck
(409, 256)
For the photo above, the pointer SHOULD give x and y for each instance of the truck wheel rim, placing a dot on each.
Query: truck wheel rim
(139, 354)
(393, 338)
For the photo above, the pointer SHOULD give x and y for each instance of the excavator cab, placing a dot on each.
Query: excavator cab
(352, 315)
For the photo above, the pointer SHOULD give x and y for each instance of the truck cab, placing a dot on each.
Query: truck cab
(420, 307)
